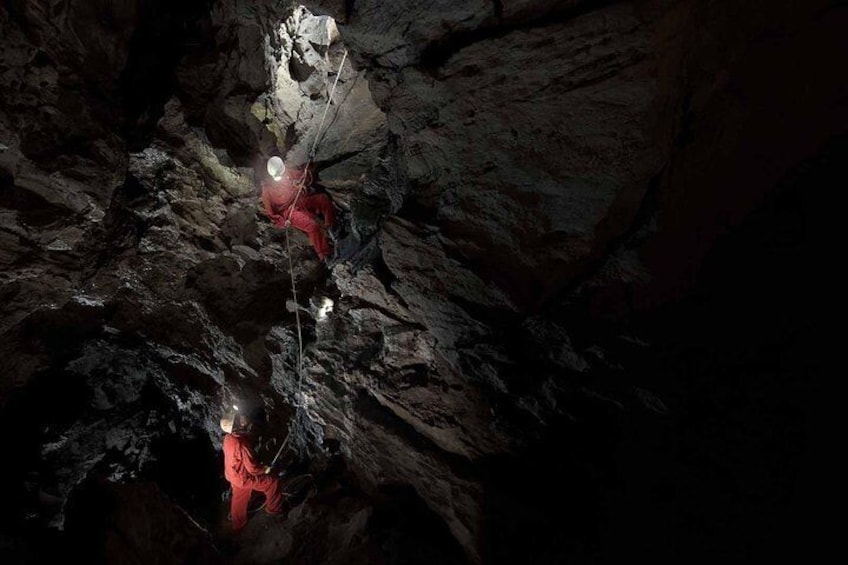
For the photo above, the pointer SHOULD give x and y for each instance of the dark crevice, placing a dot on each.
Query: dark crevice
(158, 44)
(32, 209)
(349, 7)
(298, 70)
(498, 8)
(124, 228)
(340, 158)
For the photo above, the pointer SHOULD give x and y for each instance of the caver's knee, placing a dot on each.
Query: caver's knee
(262, 481)
(304, 221)
(312, 227)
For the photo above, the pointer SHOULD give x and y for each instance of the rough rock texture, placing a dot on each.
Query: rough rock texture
(569, 162)
(532, 132)
(554, 334)
(141, 287)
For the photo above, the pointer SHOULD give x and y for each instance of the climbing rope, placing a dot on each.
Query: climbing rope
(312, 152)
(301, 184)
(296, 314)
(327, 107)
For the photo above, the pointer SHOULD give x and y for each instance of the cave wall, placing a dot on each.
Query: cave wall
(142, 291)
(546, 139)
(570, 168)
(533, 190)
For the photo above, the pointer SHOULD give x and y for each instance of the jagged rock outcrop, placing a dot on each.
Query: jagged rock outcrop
(140, 280)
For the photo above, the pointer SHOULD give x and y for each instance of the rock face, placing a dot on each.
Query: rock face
(533, 132)
(552, 335)
(569, 162)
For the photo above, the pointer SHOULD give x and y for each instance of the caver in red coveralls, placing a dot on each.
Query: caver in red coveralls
(278, 197)
(246, 476)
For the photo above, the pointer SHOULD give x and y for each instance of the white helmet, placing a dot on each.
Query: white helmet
(227, 423)
(276, 168)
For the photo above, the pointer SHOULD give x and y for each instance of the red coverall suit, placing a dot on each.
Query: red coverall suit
(278, 197)
(246, 476)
